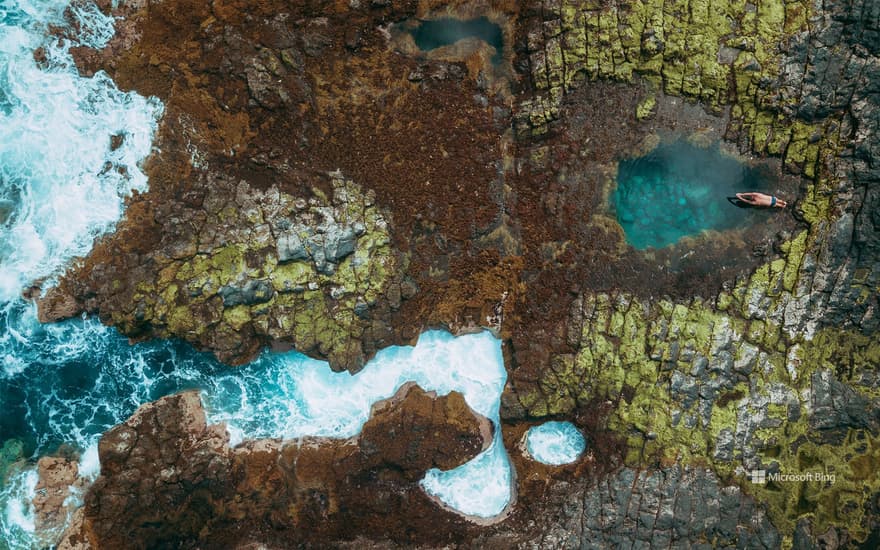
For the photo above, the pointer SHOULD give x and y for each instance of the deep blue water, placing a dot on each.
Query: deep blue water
(679, 189)
(69, 382)
(436, 33)
(55, 197)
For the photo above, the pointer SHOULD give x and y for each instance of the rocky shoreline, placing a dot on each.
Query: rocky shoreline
(169, 478)
(315, 188)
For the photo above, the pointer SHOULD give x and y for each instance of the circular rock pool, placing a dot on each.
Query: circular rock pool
(555, 443)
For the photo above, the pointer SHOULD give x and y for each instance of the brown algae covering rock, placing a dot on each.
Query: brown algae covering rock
(169, 478)
(56, 495)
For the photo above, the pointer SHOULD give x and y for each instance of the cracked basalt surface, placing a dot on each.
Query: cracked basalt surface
(775, 369)
(687, 367)
(244, 266)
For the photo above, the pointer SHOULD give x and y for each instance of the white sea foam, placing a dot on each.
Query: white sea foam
(290, 395)
(482, 487)
(57, 169)
(555, 443)
(17, 514)
(61, 185)
(86, 378)
(17, 528)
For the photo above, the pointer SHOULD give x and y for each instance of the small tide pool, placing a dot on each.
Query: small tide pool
(679, 189)
(555, 443)
(435, 33)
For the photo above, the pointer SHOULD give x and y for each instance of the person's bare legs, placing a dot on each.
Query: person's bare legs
(761, 199)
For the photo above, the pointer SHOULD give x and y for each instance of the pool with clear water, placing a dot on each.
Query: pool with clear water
(679, 189)
(435, 33)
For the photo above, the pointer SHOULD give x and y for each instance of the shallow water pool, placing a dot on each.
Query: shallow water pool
(679, 189)
(435, 33)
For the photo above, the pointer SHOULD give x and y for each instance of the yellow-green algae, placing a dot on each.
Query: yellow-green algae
(627, 357)
(630, 351)
(646, 108)
(676, 44)
(714, 51)
(718, 52)
(311, 310)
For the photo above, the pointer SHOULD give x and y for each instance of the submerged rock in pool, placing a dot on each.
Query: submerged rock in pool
(6, 209)
(678, 190)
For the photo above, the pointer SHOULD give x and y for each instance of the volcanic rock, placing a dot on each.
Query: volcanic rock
(170, 478)
(56, 493)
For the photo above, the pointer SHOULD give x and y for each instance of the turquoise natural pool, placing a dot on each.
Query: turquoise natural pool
(435, 33)
(679, 189)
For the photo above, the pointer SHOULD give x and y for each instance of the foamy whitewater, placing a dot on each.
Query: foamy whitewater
(555, 443)
(61, 185)
(60, 182)
(82, 378)
(289, 395)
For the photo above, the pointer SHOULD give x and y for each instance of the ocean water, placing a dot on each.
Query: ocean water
(290, 395)
(62, 385)
(679, 189)
(555, 443)
(60, 183)
(80, 378)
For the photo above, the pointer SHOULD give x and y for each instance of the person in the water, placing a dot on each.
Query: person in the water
(760, 199)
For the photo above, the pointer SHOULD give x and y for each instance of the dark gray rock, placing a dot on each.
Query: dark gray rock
(676, 507)
(6, 209)
(803, 538)
(253, 292)
(291, 246)
(326, 244)
(265, 79)
(724, 445)
(837, 83)
(339, 242)
(837, 406)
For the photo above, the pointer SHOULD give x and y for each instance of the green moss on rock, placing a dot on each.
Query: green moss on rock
(718, 52)
(692, 384)
(645, 109)
(236, 292)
